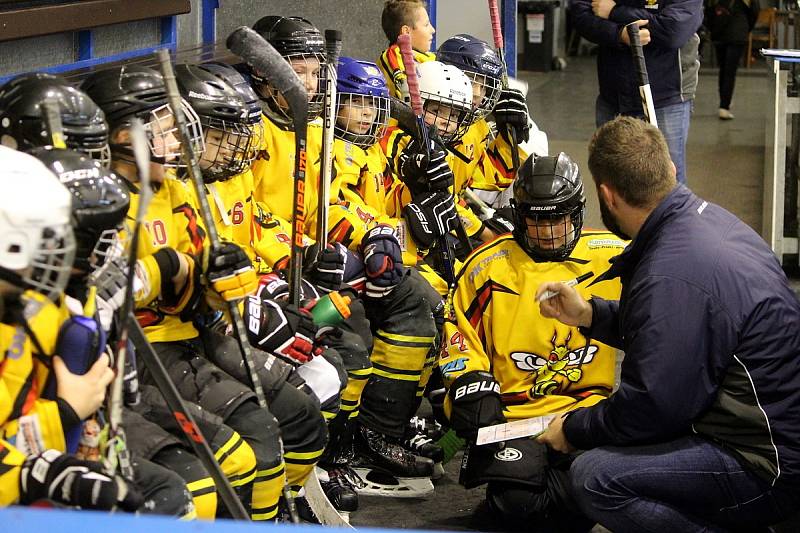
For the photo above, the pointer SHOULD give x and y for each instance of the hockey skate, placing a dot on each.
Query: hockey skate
(387, 469)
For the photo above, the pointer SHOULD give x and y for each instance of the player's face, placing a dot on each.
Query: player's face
(165, 142)
(550, 233)
(478, 93)
(443, 116)
(307, 69)
(217, 148)
(357, 115)
(422, 31)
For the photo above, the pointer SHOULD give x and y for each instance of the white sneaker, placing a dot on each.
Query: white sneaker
(725, 114)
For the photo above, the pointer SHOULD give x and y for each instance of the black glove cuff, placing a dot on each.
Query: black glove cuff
(69, 418)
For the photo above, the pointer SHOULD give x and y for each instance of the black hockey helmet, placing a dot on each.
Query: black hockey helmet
(548, 189)
(22, 117)
(480, 63)
(299, 41)
(131, 91)
(100, 202)
(224, 117)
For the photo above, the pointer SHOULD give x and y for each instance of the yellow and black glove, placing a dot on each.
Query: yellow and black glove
(230, 272)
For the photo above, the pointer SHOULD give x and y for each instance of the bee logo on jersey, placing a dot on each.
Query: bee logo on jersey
(563, 362)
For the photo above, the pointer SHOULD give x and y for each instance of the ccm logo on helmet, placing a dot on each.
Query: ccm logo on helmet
(478, 386)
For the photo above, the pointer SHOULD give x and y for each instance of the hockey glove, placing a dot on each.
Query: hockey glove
(280, 328)
(325, 269)
(500, 222)
(230, 272)
(511, 111)
(429, 217)
(110, 281)
(425, 173)
(475, 398)
(383, 260)
(69, 481)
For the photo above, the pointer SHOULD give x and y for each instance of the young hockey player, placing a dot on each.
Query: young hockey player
(22, 116)
(173, 258)
(37, 253)
(227, 122)
(488, 164)
(391, 296)
(503, 361)
(100, 202)
(404, 17)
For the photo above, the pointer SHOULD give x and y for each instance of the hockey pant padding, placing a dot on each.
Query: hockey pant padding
(164, 491)
(199, 484)
(403, 334)
(260, 430)
(302, 426)
(235, 457)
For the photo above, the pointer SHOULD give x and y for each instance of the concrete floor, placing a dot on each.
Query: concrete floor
(725, 165)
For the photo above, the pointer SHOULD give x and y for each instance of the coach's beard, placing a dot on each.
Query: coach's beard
(610, 222)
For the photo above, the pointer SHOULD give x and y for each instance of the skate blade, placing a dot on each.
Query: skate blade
(382, 484)
(323, 508)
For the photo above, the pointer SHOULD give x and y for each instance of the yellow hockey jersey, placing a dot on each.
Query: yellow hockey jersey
(273, 173)
(542, 366)
(391, 64)
(490, 161)
(172, 221)
(29, 424)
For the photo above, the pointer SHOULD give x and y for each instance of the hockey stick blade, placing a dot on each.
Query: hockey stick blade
(645, 93)
(258, 53)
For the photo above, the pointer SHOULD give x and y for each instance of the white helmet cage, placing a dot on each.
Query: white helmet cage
(366, 121)
(446, 94)
(168, 153)
(37, 246)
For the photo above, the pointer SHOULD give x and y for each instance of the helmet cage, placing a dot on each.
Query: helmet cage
(490, 87)
(51, 265)
(170, 155)
(537, 228)
(440, 110)
(352, 130)
(232, 150)
(277, 107)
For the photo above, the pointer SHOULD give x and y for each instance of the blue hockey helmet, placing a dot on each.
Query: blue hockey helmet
(363, 102)
(480, 63)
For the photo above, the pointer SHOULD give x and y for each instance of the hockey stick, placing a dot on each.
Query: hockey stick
(196, 176)
(497, 33)
(52, 121)
(256, 51)
(117, 452)
(641, 73)
(404, 42)
(333, 47)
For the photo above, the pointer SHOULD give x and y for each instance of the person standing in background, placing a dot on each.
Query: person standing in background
(730, 22)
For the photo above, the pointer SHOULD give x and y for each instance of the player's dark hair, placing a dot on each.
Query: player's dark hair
(399, 13)
(632, 157)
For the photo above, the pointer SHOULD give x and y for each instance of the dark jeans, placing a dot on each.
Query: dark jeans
(685, 485)
(673, 121)
(728, 57)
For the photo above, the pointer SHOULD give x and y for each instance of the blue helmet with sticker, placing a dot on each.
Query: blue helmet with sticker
(480, 63)
(363, 102)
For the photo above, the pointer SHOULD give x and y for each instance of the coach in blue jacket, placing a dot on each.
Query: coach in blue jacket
(704, 430)
(667, 25)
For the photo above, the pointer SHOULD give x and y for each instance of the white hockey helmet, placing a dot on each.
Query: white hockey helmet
(446, 94)
(36, 241)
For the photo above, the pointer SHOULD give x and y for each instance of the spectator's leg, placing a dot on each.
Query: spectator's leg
(673, 121)
(733, 55)
(604, 112)
(722, 50)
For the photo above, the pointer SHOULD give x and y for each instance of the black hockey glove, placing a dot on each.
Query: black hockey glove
(230, 272)
(475, 398)
(280, 328)
(325, 269)
(501, 221)
(383, 260)
(425, 173)
(511, 111)
(110, 281)
(429, 217)
(66, 480)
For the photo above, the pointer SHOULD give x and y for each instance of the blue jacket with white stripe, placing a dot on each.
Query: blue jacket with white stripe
(711, 334)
